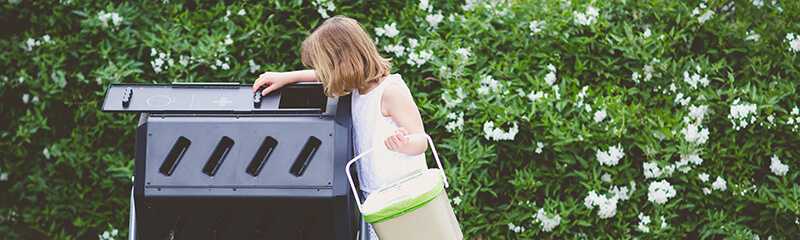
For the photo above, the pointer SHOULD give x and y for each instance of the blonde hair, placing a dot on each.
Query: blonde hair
(343, 56)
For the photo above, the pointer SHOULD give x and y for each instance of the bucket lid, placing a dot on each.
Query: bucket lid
(403, 197)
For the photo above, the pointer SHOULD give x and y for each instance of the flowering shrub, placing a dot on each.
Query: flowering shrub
(557, 119)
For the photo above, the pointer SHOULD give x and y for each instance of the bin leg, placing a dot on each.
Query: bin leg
(132, 221)
(362, 233)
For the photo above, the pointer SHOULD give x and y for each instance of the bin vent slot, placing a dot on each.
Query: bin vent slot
(263, 153)
(174, 156)
(218, 156)
(304, 158)
(302, 97)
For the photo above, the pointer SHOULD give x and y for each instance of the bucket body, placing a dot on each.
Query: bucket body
(415, 207)
(435, 221)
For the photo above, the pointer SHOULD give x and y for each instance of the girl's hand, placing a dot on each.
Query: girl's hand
(271, 81)
(397, 141)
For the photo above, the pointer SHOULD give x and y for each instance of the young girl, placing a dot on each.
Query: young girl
(346, 61)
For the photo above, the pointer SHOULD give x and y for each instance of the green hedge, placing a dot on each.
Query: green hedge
(655, 119)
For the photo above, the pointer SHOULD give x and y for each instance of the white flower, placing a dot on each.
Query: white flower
(184, 60)
(515, 228)
(694, 134)
(706, 191)
(498, 134)
(680, 99)
(697, 113)
(228, 40)
(607, 206)
(777, 167)
(161, 62)
(109, 235)
(547, 222)
(550, 77)
(742, 114)
(457, 200)
(413, 43)
(599, 116)
(536, 26)
(794, 42)
(703, 177)
(635, 77)
(588, 17)
(644, 220)
(794, 119)
(424, 5)
(395, 49)
(621, 193)
(388, 30)
(649, 70)
(450, 102)
(457, 123)
(758, 3)
(253, 66)
(693, 158)
(610, 157)
(651, 170)
(470, 4)
(536, 95)
(706, 16)
(46, 153)
(241, 12)
(488, 85)
(114, 18)
(752, 36)
(323, 7)
(464, 52)
(719, 184)
(606, 177)
(706, 13)
(647, 33)
(539, 147)
(660, 192)
(418, 59)
(434, 19)
(30, 44)
(695, 79)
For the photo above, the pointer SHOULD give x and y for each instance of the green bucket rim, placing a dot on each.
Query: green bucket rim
(409, 205)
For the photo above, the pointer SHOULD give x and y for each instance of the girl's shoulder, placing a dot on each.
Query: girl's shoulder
(395, 82)
(395, 91)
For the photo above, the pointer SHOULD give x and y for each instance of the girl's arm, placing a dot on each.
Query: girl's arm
(274, 80)
(398, 103)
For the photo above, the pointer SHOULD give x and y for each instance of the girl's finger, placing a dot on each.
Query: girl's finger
(269, 89)
(403, 140)
(259, 82)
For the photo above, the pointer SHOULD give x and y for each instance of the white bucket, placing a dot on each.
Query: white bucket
(415, 207)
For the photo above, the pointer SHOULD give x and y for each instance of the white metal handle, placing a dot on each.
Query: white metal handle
(350, 177)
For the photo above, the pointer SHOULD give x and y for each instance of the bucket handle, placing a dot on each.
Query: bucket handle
(360, 156)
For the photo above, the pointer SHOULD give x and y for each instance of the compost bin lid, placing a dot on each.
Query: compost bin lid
(403, 197)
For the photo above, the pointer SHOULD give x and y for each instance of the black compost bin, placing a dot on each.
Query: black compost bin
(215, 161)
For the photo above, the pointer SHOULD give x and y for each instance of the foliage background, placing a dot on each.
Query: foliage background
(68, 166)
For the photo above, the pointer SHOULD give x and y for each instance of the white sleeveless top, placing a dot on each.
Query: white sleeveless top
(371, 128)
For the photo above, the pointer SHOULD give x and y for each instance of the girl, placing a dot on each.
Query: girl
(346, 61)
